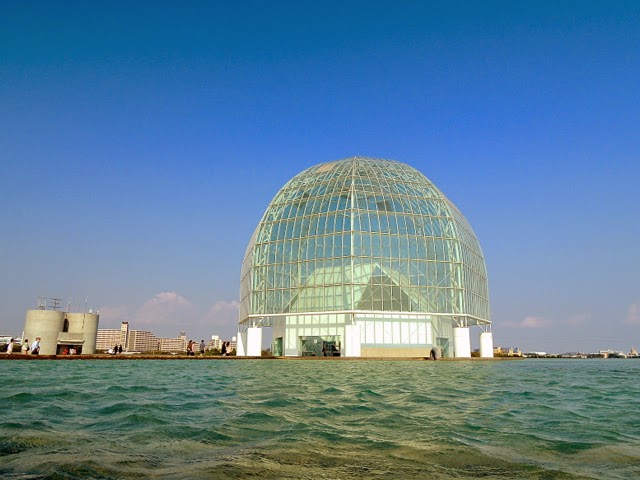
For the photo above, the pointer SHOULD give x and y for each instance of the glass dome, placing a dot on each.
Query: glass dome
(363, 235)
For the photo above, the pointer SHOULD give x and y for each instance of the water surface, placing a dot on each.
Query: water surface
(532, 419)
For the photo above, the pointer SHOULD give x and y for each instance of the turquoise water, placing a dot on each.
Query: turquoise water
(542, 419)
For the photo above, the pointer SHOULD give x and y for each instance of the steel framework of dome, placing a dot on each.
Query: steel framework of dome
(363, 257)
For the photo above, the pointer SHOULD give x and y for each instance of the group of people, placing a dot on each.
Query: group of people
(34, 349)
(70, 351)
(115, 350)
(191, 348)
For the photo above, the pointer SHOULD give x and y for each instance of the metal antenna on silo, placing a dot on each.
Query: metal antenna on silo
(54, 303)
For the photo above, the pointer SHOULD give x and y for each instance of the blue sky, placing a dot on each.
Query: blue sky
(141, 142)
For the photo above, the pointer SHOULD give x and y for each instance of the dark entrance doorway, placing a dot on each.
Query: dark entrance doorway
(277, 346)
(326, 346)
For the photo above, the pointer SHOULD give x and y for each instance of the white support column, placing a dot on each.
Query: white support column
(352, 341)
(241, 350)
(461, 342)
(254, 342)
(486, 345)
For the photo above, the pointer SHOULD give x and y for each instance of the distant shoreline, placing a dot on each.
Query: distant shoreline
(198, 358)
(105, 356)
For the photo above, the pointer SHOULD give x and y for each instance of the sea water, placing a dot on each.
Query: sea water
(531, 419)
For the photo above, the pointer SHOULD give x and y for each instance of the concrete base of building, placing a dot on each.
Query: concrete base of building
(397, 352)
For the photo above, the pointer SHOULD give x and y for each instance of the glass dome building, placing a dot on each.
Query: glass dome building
(363, 257)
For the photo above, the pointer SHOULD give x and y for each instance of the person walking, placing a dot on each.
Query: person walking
(202, 347)
(10, 346)
(224, 349)
(25, 346)
(35, 347)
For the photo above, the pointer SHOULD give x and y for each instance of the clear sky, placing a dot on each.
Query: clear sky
(140, 143)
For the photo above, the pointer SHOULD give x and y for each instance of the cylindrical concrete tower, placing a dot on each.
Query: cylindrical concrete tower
(90, 333)
(85, 324)
(45, 324)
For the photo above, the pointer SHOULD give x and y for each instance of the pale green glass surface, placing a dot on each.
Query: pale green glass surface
(363, 235)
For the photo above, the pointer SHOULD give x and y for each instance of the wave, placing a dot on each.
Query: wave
(558, 420)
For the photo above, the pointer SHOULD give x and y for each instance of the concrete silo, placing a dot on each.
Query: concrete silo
(62, 331)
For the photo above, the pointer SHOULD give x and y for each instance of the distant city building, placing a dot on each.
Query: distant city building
(215, 343)
(178, 344)
(109, 338)
(142, 341)
(363, 258)
(139, 340)
(507, 352)
(60, 331)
